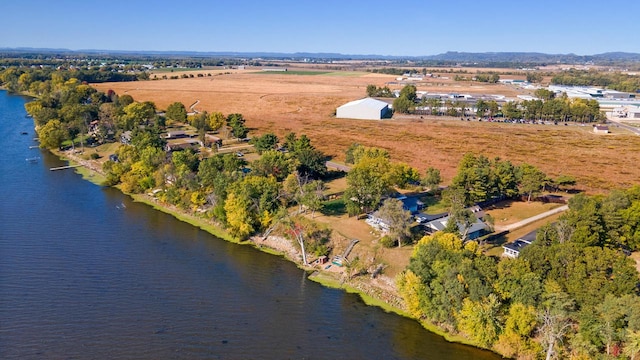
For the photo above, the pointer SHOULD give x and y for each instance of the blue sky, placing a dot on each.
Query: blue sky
(410, 27)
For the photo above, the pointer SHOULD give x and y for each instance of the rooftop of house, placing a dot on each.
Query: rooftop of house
(517, 245)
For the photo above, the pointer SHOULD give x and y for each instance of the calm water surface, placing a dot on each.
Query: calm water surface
(87, 274)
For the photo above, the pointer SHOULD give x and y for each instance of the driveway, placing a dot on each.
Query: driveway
(535, 218)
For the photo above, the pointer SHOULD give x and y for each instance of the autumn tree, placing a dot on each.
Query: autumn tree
(52, 134)
(479, 319)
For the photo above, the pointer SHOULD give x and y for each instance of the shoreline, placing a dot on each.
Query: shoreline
(363, 286)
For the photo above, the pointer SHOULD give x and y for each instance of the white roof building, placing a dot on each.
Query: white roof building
(633, 112)
(365, 109)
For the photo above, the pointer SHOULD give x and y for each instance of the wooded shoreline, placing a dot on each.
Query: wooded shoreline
(91, 173)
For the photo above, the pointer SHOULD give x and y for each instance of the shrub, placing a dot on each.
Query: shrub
(387, 241)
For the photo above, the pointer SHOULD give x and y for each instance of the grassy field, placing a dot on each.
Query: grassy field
(294, 72)
(305, 104)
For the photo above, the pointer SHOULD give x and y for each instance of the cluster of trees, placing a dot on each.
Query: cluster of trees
(534, 77)
(487, 78)
(373, 176)
(479, 180)
(616, 81)
(23, 79)
(397, 71)
(374, 91)
(550, 107)
(218, 187)
(570, 294)
(610, 221)
(65, 107)
(248, 198)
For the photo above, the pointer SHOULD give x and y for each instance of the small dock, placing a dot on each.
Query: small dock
(64, 167)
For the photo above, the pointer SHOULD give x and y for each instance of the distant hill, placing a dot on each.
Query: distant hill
(534, 57)
(448, 57)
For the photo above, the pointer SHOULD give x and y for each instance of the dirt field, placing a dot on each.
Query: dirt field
(280, 103)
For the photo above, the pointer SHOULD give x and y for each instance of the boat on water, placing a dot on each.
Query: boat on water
(33, 159)
(24, 133)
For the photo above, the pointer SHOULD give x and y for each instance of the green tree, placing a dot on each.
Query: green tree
(367, 182)
(135, 114)
(313, 196)
(372, 90)
(398, 219)
(432, 179)
(236, 123)
(273, 163)
(403, 105)
(510, 110)
(517, 283)
(403, 175)
(409, 92)
(265, 142)
(532, 180)
(544, 94)
(176, 112)
(481, 107)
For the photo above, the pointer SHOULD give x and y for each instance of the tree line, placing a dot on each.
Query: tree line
(246, 198)
(547, 107)
(612, 80)
(572, 293)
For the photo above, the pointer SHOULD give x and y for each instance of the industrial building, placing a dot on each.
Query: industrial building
(365, 109)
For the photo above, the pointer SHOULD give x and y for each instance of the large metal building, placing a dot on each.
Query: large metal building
(365, 109)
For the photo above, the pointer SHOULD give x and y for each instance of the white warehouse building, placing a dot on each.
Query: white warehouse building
(365, 109)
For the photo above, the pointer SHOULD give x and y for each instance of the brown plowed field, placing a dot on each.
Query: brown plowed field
(280, 103)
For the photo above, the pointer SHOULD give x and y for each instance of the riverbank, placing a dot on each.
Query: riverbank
(380, 291)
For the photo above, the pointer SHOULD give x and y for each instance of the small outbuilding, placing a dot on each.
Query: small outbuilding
(364, 109)
(601, 129)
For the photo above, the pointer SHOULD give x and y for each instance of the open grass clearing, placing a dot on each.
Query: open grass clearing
(511, 211)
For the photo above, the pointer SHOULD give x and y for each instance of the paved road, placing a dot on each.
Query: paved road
(527, 221)
(335, 165)
(617, 122)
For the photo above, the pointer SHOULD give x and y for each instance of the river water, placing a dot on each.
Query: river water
(85, 273)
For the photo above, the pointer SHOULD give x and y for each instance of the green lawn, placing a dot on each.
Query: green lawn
(434, 204)
(334, 208)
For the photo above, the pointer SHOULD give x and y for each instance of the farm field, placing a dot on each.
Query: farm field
(305, 104)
